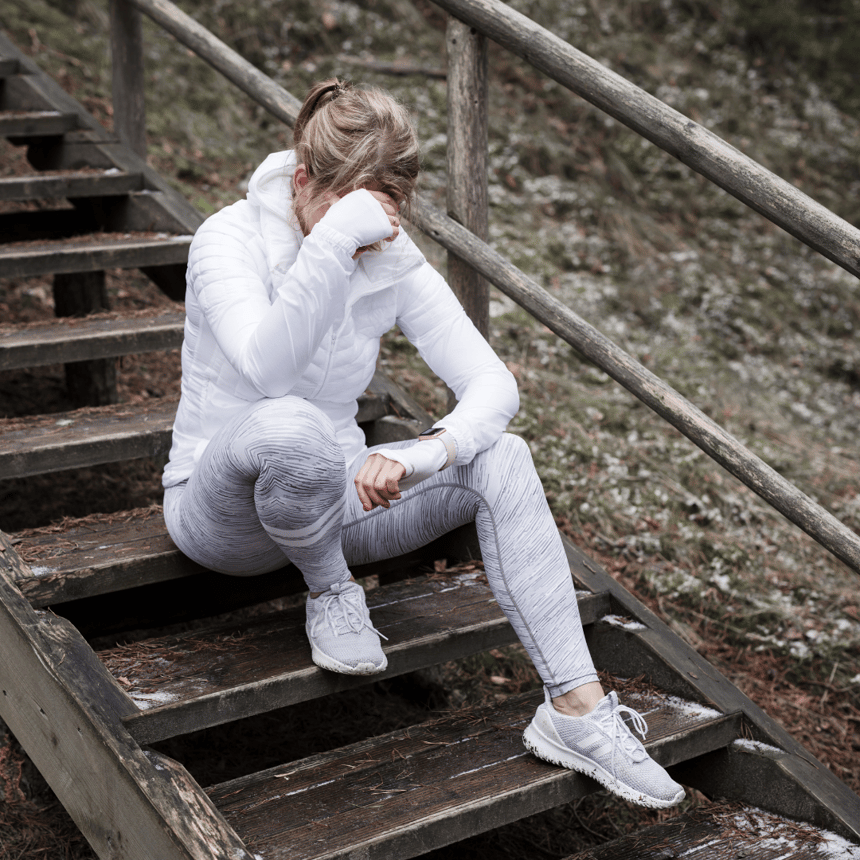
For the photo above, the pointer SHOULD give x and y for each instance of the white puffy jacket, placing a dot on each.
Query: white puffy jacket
(270, 312)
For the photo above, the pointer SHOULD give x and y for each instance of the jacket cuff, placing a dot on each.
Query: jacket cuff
(464, 442)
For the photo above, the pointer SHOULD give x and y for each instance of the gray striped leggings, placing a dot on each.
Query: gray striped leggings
(273, 483)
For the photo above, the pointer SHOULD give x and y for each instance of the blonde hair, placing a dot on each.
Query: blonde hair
(350, 138)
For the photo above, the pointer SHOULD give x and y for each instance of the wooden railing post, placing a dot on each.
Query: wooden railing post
(467, 160)
(126, 39)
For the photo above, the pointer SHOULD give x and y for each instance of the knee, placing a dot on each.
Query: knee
(292, 429)
(509, 448)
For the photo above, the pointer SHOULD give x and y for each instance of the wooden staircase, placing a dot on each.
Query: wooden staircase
(89, 712)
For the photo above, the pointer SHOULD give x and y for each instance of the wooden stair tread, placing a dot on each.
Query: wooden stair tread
(725, 832)
(99, 555)
(85, 437)
(190, 681)
(69, 184)
(80, 339)
(104, 434)
(93, 253)
(42, 123)
(429, 785)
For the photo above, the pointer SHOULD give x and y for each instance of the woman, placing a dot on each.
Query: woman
(289, 292)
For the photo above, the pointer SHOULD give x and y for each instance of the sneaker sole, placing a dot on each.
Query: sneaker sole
(325, 661)
(546, 748)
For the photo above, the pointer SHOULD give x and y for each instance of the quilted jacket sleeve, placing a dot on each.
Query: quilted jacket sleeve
(270, 342)
(434, 321)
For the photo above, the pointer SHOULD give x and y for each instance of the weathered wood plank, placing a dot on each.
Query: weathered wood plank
(467, 160)
(65, 710)
(85, 339)
(724, 833)
(8, 68)
(127, 75)
(93, 145)
(70, 184)
(232, 672)
(654, 392)
(92, 382)
(424, 787)
(25, 124)
(649, 647)
(100, 556)
(691, 143)
(88, 437)
(85, 437)
(89, 254)
(224, 59)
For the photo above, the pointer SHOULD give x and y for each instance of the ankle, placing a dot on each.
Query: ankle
(315, 594)
(579, 701)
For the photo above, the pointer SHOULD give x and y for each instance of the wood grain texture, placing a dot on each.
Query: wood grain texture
(424, 787)
(70, 185)
(798, 785)
(742, 832)
(90, 145)
(18, 260)
(127, 75)
(66, 710)
(205, 678)
(108, 434)
(467, 160)
(82, 339)
(25, 124)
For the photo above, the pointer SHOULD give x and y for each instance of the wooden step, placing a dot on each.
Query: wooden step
(426, 786)
(92, 254)
(72, 339)
(725, 832)
(8, 67)
(104, 434)
(70, 184)
(229, 672)
(42, 123)
(130, 551)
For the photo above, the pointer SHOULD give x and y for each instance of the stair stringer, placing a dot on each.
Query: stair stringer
(65, 710)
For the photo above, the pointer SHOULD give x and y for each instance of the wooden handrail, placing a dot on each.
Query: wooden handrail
(275, 99)
(700, 149)
(639, 381)
(650, 389)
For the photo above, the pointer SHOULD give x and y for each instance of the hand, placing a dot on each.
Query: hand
(392, 211)
(377, 481)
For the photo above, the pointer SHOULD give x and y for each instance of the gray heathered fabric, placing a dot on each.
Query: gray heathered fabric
(272, 484)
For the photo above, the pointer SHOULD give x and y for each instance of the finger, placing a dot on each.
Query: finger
(370, 483)
(363, 480)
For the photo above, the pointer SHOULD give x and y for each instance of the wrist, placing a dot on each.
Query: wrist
(440, 434)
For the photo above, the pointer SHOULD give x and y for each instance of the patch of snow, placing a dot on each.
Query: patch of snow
(691, 709)
(152, 700)
(41, 571)
(618, 621)
(757, 747)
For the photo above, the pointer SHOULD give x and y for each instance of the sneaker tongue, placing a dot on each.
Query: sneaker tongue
(608, 703)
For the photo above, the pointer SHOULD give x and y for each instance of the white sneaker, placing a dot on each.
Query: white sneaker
(601, 745)
(341, 635)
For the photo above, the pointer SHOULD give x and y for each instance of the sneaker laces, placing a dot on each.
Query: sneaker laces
(620, 731)
(344, 611)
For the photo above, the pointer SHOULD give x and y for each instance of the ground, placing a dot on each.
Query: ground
(754, 328)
